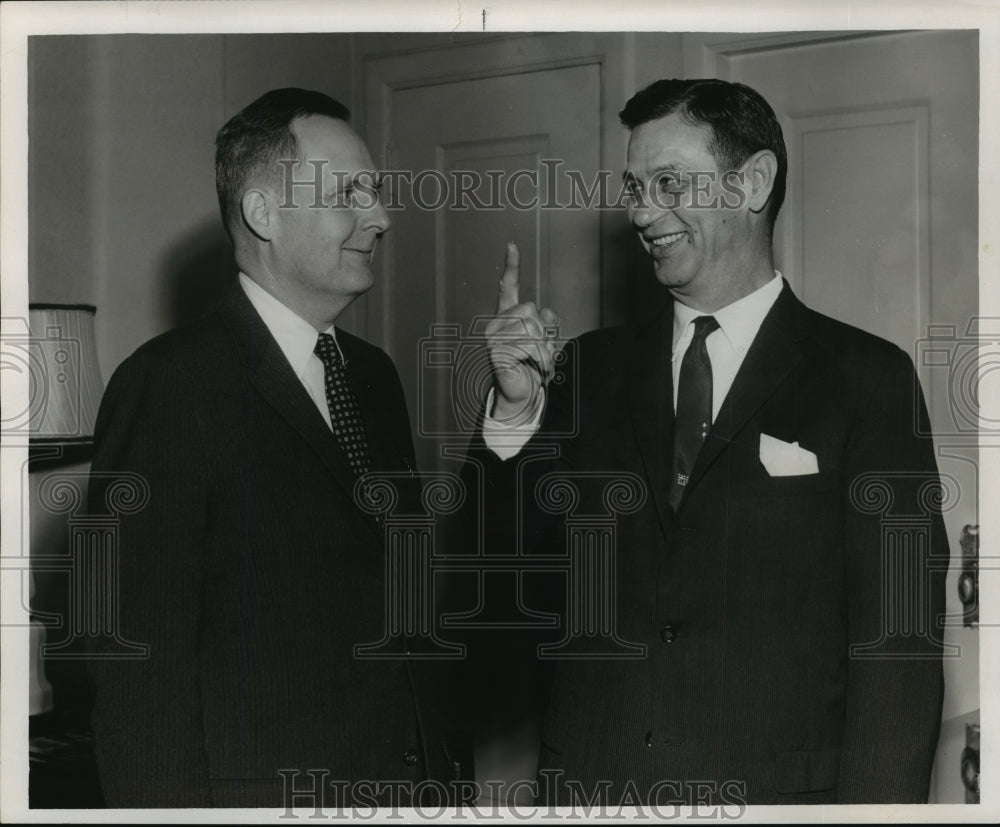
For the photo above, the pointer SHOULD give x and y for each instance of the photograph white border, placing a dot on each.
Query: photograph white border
(19, 20)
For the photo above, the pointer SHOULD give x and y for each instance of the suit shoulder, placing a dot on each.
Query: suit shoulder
(357, 348)
(359, 345)
(605, 340)
(190, 349)
(606, 336)
(361, 348)
(854, 346)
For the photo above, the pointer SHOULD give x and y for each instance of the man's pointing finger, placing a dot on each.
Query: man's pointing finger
(510, 282)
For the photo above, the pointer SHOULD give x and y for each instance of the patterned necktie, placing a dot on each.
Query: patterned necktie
(694, 407)
(345, 414)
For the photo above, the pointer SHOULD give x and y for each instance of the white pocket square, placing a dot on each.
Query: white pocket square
(786, 459)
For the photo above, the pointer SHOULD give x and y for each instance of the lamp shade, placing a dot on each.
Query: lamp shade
(65, 379)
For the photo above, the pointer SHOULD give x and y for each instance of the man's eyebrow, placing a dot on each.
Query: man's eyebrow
(369, 177)
(629, 175)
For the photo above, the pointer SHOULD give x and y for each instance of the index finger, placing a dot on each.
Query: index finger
(510, 282)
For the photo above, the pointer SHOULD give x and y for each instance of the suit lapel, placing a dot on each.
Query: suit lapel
(651, 405)
(773, 355)
(272, 376)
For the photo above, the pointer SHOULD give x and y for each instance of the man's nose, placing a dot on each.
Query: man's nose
(376, 217)
(642, 214)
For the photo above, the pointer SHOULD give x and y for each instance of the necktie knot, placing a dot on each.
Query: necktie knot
(704, 326)
(326, 350)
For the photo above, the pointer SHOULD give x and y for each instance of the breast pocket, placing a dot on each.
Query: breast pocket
(825, 483)
(792, 522)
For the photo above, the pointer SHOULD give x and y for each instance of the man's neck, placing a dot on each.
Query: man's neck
(736, 280)
(319, 316)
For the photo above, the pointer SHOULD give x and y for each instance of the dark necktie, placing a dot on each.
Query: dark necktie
(345, 414)
(694, 407)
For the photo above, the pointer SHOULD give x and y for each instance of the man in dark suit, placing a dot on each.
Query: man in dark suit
(781, 583)
(252, 572)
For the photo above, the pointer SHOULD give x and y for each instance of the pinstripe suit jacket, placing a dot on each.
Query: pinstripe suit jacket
(789, 657)
(251, 574)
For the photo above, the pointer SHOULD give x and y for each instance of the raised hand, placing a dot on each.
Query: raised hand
(520, 351)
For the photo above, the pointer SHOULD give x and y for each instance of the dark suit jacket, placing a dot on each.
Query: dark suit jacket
(749, 598)
(251, 574)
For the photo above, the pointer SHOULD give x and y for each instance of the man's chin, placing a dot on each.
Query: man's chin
(361, 280)
(667, 275)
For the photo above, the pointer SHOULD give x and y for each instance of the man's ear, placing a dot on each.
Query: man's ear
(258, 214)
(761, 169)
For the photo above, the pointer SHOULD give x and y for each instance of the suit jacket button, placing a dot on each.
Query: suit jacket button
(649, 740)
(410, 757)
(668, 634)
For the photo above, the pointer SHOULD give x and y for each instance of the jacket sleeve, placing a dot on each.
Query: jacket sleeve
(505, 680)
(147, 715)
(896, 554)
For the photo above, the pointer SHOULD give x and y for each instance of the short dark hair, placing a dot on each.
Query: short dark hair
(742, 122)
(255, 138)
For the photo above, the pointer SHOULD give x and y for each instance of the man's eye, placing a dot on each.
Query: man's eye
(341, 198)
(363, 193)
(670, 183)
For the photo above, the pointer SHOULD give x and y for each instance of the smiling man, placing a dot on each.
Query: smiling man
(251, 572)
(785, 643)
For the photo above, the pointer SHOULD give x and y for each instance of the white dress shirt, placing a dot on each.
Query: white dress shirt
(506, 440)
(727, 348)
(727, 345)
(297, 340)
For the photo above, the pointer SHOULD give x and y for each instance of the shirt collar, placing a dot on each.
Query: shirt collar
(294, 335)
(739, 321)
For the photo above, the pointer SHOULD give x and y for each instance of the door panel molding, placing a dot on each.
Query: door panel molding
(806, 127)
(384, 72)
(530, 149)
(708, 55)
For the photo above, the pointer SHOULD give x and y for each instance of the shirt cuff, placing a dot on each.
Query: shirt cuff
(507, 440)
